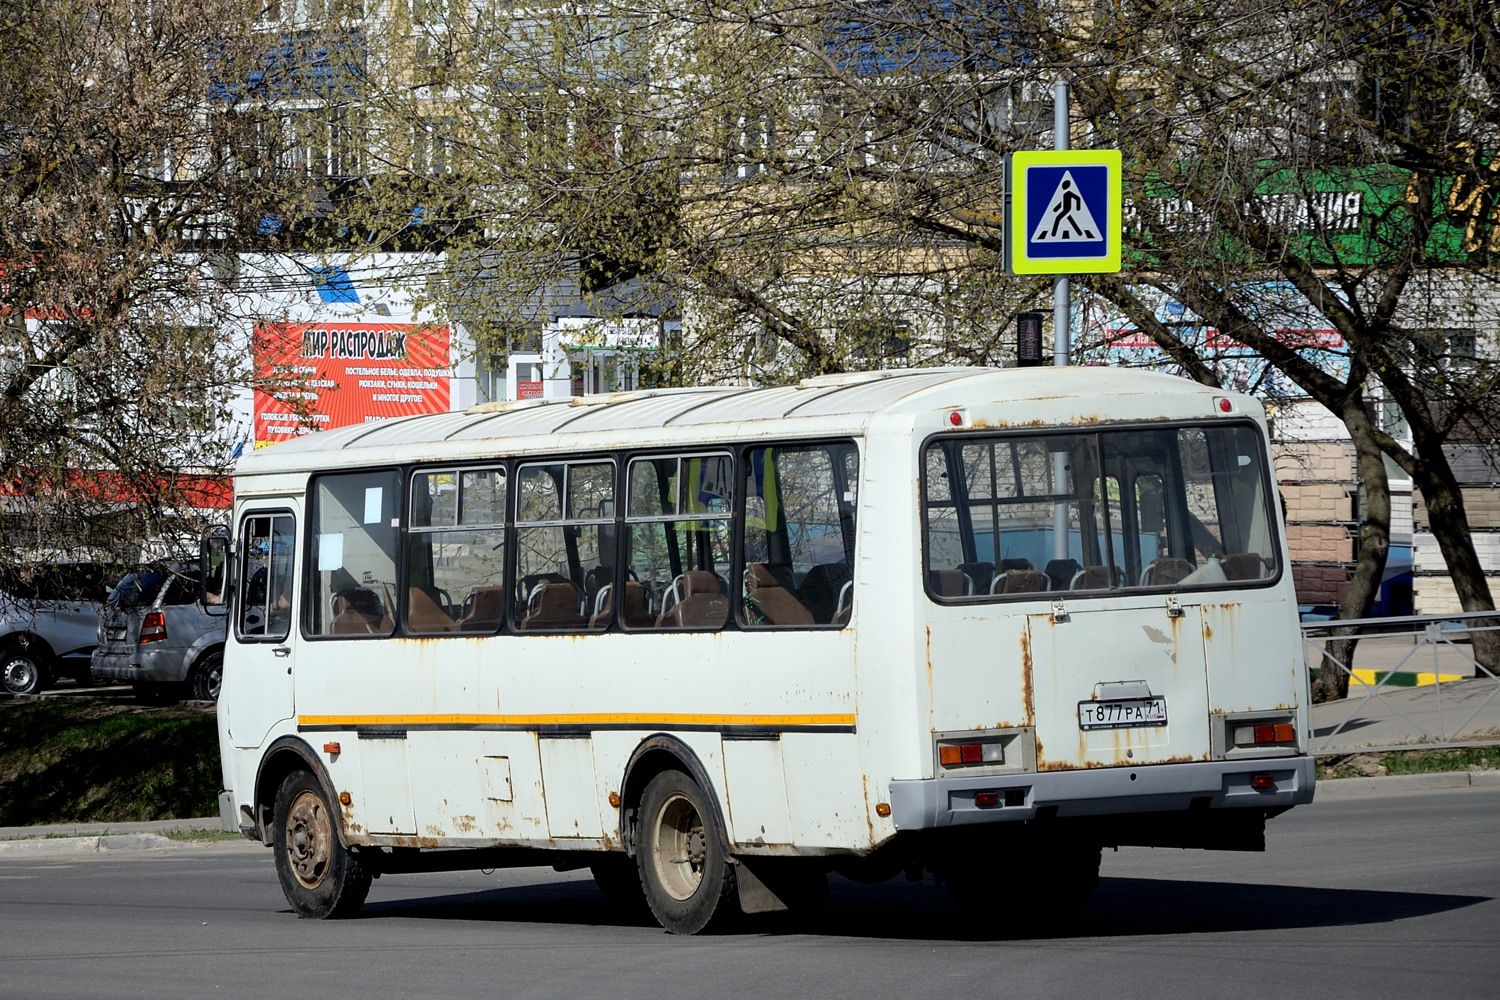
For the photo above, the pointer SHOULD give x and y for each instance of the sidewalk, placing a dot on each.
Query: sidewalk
(1377, 718)
(95, 838)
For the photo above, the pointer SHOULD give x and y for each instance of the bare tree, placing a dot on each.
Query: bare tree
(755, 167)
(1237, 123)
(820, 186)
(124, 180)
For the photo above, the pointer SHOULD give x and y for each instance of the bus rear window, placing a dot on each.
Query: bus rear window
(1153, 508)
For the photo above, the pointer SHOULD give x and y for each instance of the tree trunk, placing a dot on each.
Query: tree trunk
(1450, 526)
(1369, 566)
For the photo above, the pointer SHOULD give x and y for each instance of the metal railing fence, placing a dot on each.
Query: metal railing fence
(1413, 681)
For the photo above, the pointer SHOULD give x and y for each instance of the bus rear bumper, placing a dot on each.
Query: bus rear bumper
(937, 803)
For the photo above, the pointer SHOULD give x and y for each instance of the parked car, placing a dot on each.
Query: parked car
(48, 619)
(155, 635)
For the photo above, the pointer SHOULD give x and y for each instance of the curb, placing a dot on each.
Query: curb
(1395, 784)
(41, 846)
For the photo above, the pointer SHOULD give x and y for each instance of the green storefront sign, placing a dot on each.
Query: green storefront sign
(1355, 217)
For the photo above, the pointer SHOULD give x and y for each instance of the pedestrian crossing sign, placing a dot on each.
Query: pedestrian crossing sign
(1063, 211)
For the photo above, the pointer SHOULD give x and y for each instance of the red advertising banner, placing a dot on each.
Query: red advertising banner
(316, 376)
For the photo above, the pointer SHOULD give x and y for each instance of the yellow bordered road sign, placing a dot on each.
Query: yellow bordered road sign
(1064, 211)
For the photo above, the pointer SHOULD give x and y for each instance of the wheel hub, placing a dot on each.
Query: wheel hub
(18, 674)
(682, 848)
(308, 839)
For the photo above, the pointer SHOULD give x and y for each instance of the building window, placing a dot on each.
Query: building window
(431, 146)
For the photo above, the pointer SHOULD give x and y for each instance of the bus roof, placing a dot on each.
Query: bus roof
(824, 405)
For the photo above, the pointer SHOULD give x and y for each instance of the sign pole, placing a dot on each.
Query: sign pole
(1062, 328)
(1062, 320)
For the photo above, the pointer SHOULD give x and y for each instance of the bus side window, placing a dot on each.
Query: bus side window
(564, 543)
(266, 567)
(678, 518)
(799, 532)
(355, 520)
(456, 551)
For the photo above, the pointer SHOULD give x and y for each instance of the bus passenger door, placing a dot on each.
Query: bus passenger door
(257, 688)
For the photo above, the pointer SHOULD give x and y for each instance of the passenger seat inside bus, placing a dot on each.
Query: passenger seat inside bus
(845, 609)
(1061, 572)
(772, 600)
(553, 604)
(358, 611)
(1020, 581)
(423, 613)
(983, 573)
(820, 589)
(635, 614)
(1164, 571)
(950, 583)
(1244, 566)
(486, 609)
(696, 600)
(1097, 578)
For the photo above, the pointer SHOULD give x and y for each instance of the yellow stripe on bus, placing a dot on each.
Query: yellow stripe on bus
(645, 721)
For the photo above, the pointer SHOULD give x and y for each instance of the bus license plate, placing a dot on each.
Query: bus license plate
(1129, 713)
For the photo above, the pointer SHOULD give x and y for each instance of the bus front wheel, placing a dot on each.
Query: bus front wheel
(319, 876)
(686, 872)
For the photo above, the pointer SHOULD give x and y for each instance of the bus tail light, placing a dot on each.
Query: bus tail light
(1263, 733)
(1280, 732)
(153, 627)
(1263, 782)
(963, 753)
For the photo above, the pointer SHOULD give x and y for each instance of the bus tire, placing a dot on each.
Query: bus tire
(686, 873)
(319, 876)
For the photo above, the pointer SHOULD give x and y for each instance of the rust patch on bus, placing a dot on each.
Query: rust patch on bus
(421, 843)
(1028, 692)
(928, 658)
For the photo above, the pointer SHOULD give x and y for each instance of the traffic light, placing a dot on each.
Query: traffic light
(1029, 339)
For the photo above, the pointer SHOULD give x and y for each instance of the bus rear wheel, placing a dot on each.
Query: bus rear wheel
(686, 872)
(319, 876)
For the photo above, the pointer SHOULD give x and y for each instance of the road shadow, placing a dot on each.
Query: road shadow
(1356, 723)
(1119, 908)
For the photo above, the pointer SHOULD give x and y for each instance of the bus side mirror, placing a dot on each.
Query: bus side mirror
(213, 569)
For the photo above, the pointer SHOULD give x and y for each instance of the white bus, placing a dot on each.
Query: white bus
(715, 643)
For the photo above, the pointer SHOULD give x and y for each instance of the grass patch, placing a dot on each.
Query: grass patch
(198, 835)
(1366, 765)
(82, 760)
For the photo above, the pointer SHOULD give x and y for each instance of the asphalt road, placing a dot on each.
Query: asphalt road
(1369, 897)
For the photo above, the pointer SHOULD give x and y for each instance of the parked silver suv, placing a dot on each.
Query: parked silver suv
(48, 619)
(155, 635)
